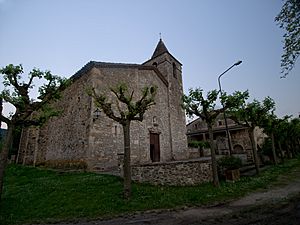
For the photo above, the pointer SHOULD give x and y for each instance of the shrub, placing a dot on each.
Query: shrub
(198, 144)
(230, 162)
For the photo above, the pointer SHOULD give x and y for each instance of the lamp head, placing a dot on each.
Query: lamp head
(238, 63)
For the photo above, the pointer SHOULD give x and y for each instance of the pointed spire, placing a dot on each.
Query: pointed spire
(160, 49)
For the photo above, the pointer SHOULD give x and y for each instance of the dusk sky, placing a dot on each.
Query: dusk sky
(206, 36)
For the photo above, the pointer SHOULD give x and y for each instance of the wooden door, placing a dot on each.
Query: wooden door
(154, 147)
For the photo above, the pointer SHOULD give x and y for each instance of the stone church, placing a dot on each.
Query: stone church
(85, 134)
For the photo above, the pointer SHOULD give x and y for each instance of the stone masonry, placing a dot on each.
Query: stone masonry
(241, 144)
(78, 136)
(178, 173)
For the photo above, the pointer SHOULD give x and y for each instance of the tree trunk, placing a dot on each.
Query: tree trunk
(273, 148)
(1, 109)
(293, 149)
(254, 149)
(213, 157)
(4, 154)
(127, 166)
(288, 152)
(281, 152)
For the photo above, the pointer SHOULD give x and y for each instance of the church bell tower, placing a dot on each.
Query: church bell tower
(171, 69)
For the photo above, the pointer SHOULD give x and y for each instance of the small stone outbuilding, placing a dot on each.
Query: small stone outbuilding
(241, 145)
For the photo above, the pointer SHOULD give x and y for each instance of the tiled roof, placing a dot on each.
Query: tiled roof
(93, 64)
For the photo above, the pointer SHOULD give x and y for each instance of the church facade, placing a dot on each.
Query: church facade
(82, 133)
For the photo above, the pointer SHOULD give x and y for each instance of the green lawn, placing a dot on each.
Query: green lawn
(40, 195)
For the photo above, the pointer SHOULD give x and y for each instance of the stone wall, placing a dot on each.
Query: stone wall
(106, 136)
(179, 173)
(63, 137)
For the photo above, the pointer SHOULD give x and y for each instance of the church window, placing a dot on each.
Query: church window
(174, 70)
(154, 120)
(155, 64)
(152, 89)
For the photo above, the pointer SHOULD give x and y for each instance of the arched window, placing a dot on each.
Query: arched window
(174, 70)
(154, 64)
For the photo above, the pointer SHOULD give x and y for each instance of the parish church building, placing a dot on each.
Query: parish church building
(83, 133)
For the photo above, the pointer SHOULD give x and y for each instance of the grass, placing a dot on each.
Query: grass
(33, 195)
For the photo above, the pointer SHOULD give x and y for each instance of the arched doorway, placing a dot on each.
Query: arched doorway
(238, 149)
(154, 147)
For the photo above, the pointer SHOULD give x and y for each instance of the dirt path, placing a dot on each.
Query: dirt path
(277, 205)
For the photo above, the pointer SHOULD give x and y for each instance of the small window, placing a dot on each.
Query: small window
(220, 123)
(154, 64)
(116, 130)
(154, 121)
(174, 70)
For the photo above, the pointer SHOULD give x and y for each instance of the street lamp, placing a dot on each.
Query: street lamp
(225, 119)
(97, 114)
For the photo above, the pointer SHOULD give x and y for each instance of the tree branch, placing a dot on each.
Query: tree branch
(5, 119)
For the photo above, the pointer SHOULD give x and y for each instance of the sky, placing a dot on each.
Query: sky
(206, 36)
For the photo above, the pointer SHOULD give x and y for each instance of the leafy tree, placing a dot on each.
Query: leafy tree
(294, 135)
(281, 134)
(253, 115)
(270, 126)
(16, 92)
(289, 20)
(126, 111)
(196, 104)
(1, 109)
(287, 133)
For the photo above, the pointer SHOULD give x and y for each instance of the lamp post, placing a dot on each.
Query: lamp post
(225, 119)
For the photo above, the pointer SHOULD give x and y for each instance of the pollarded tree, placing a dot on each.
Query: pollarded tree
(124, 112)
(289, 20)
(16, 92)
(253, 115)
(196, 104)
